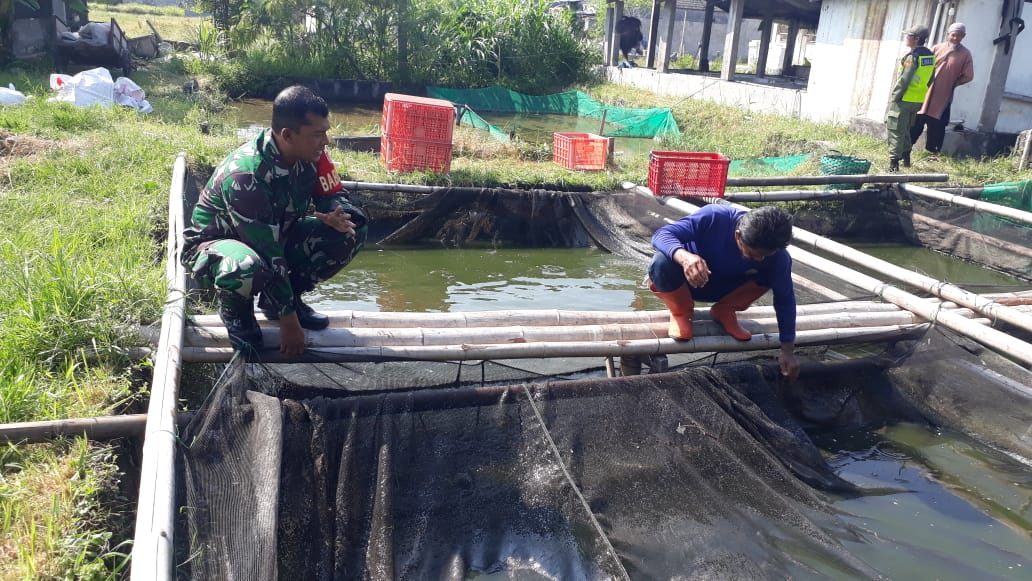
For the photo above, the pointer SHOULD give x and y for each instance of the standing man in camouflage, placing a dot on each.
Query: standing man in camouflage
(252, 232)
(915, 75)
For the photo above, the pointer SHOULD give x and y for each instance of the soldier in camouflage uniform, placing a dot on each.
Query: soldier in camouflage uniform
(252, 232)
(916, 70)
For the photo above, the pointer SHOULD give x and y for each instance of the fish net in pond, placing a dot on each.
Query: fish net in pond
(695, 473)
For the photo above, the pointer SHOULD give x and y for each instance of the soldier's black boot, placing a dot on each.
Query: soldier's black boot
(306, 315)
(906, 159)
(893, 165)
(237, 314)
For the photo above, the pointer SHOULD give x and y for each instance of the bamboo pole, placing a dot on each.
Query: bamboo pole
(1002, 342)
(548, 350)
(153, 543)
(941, 289)
(426, 337)
(96, 428)
(99, 428)
(731, 182)
(543, 317)
(892, 178)
(801, 195)
(938, 288)
(987, 207)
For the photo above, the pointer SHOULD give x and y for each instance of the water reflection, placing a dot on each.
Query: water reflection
(443, 280)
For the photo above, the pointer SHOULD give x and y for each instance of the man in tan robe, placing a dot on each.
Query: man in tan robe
(953, 68)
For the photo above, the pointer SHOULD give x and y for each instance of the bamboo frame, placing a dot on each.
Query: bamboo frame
(548, 350)
(992, 338)
(988, 207)
(475, 337)
(152, 555)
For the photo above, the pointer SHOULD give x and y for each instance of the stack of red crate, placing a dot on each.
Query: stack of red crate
(416, 133)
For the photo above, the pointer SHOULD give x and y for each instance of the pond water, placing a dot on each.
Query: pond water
(967, 512)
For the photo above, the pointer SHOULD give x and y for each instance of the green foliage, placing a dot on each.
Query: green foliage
(450, 42)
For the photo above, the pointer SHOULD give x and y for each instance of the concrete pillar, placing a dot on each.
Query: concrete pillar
(767, 25)
(614, 38)
(998, 71)
(790, 42)
(734, 28)
(609, 38)
(653, 33)
(704, 44)
(664, 42)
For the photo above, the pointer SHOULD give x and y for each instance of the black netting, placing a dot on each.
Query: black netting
(994, 241)
(698, 473)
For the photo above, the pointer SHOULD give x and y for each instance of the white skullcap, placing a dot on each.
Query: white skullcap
(958, 27)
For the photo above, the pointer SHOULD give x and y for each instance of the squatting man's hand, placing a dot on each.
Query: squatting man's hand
(338, 219)
(695, 268)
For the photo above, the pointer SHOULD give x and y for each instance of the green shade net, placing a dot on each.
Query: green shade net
(628, 122)
(1011, 194)
(766, 166)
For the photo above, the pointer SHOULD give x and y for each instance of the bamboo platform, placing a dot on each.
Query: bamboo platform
(382, 336)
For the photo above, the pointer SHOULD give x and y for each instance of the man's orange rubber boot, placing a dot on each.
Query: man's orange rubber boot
(723, 312)
(682, 308)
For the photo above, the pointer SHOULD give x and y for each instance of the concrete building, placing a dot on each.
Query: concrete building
(854, 59)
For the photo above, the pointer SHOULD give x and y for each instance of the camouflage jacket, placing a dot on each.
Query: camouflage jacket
(254, 198)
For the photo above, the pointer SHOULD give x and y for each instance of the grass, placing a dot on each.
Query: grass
(83, 208)
(171, 22)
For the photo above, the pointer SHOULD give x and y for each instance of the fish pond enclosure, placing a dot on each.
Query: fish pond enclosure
(528, 418)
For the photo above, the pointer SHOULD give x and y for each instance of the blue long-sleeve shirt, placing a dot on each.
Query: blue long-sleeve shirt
(710, 233)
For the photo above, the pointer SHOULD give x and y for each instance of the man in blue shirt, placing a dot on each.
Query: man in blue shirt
(730, 257)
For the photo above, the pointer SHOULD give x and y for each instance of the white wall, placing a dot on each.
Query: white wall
(855, 60)
(859, 44)
(982, 19)
(856, 55)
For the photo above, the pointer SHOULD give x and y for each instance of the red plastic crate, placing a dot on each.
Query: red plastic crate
(684, 173)
(585, 151)
(422, 118)
(414, 154)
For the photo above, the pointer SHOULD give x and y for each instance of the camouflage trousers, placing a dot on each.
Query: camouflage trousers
(898, 121)
(314, 252)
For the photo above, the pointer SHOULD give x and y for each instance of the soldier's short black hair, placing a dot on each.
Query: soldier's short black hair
(766, 228)
(292, 106)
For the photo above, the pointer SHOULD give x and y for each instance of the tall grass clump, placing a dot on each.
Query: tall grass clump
(83, 209)
(81, 260)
